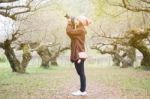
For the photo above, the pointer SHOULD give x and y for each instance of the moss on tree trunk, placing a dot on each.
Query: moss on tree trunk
(26, 56)
(54, 61)
(15, 64)
(43, 52)
(142, 47)
(136, 40)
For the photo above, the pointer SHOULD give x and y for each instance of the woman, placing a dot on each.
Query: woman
(76, 32)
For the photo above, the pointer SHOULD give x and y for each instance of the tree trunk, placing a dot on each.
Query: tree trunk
(26, 56)
(126, 62)
(14, 62)
(146, 61)
(45, 56)
(54, 61)
(45, 62)
(142, 47)
(131, 55)
(136, 40)
(116, 61)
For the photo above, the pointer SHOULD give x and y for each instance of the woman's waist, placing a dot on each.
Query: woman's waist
(77, 49)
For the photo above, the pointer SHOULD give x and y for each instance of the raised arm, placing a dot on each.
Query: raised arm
(75, 32)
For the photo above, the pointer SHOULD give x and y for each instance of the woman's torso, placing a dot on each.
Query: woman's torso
(77, 37)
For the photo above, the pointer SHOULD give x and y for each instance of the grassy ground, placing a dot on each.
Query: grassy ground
(59, 82)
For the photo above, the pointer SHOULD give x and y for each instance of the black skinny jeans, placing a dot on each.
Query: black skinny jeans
(80, 70)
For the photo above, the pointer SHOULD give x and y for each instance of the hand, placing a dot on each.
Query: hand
(79, 61)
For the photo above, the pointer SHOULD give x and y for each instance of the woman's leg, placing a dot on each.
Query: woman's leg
(80, 70)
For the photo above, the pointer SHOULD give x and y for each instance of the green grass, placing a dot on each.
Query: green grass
(126, 78)
(47, 82)
(131, 81)
(36, 81)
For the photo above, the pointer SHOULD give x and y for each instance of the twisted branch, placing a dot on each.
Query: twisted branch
(125, 4)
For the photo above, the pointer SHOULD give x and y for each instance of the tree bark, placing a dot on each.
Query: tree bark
(116, 61)
(7, 1)
(137, 40)
(43, 52)
(142, 47)
(26, 56)
(54, 61)
(14, 62)
(125, 62)
(146, 61)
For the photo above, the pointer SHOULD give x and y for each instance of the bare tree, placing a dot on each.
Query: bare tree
(48, 52)
(121, 56)
(56, 51)
(45, 55)
(11, 12)
(138, 38)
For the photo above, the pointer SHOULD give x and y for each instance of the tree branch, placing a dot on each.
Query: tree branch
(98, 48)
(146, 1)
(104, 34)
(13, 16)
(64, 48)
(7, 1)
(125, 4)
(6, 11)
(12, 7)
